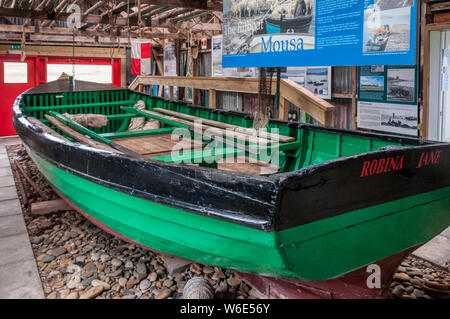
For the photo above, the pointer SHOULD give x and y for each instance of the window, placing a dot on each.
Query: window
(16, 72)
(84, 72)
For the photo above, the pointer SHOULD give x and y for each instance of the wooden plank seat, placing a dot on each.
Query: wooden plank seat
(154, 145)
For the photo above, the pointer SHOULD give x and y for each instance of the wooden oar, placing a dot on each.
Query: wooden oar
(246, 130)
(68, 126)
(77, 136)
(45, 128)
(184, 123)
(189, 126)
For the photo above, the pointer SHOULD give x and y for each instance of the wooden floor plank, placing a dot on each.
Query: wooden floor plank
(154, 145)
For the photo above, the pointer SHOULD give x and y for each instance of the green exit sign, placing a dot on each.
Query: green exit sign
(15, 46)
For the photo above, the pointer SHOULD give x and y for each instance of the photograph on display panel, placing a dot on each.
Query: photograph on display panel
(386, 30)
(243, 19)
(401, 85)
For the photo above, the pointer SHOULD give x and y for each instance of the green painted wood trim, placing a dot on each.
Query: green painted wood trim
(316, 251)
(120, 116)
(198, 157)
(170, 230)
(358, 238)
(77, 106)
(167, 130)
(151, 116)
(79, 128)
(109, 117)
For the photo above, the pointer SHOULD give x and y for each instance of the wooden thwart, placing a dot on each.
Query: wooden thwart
(47, 207)
(268, 135)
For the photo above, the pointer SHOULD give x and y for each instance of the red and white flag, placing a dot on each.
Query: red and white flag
(140, 58)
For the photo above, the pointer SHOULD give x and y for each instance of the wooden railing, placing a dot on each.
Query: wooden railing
(290, 91)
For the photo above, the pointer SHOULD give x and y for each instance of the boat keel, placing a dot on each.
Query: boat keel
(353, 285)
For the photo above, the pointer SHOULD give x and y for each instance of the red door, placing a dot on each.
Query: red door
(15, 78)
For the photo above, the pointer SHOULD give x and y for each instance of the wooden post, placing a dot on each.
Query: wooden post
(179, 96)
(329, 121)
(30, 181)
(171, 93)
(283, 112)
(195, 92)
(47, 207)
(424, 67)
(123, 72)
(354, 95)
(212, 99)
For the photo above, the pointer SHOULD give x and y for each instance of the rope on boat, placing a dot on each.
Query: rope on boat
(23, 54)
(140, 123)
(92, 120)
(265, 99)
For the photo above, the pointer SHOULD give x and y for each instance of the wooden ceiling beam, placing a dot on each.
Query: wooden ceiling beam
(61, 5)
(189, 4)
(171, 14)
(116, 9)
(99, 20)
(144, 8)
(440, 6)
(105, 40)
(156, 11)
(92, 9)
(68, 32)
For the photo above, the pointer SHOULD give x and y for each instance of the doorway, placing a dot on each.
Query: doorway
(18, 76)
(439, 97)
(15, 77)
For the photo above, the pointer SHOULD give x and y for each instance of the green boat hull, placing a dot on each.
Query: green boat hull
(338, 200)
(347, 242)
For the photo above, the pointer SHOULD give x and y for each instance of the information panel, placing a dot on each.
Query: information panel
(274, 33)
(387, 99)
(316, 79)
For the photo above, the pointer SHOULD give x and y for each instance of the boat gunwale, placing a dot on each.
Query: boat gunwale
(279, 182)
(299, 126)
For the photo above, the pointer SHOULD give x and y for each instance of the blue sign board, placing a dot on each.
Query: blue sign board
(259, 33)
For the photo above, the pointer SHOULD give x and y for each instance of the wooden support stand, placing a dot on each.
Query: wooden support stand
(212, 99)
(48, 207)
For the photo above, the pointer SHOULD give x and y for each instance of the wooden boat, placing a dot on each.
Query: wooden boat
(298, 24)
(338, 200)
(377, 43)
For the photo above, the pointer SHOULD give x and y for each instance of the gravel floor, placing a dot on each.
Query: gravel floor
(76, 259)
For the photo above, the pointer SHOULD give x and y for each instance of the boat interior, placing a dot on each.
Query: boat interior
(231, 146)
